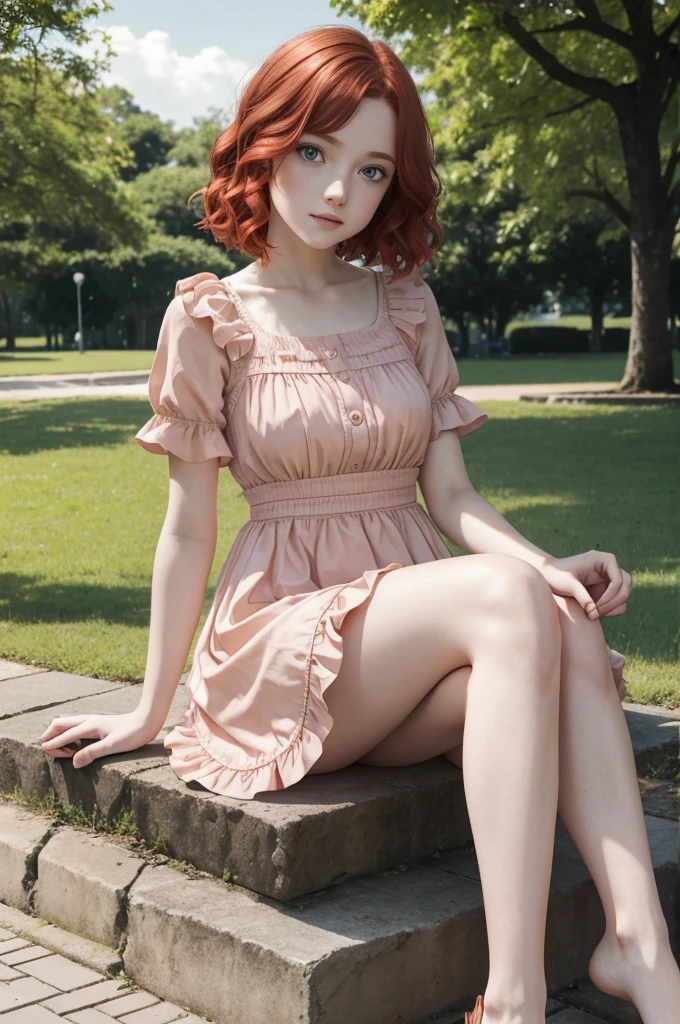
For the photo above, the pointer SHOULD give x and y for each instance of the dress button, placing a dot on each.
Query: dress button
(331, 353)
(355, 465)
(356, 418)
(345, 378)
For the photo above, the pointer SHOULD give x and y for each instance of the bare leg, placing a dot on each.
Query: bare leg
(511, 750)
(599, 802)
(510, 772)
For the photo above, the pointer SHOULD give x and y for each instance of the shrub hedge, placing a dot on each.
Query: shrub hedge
(556, 339)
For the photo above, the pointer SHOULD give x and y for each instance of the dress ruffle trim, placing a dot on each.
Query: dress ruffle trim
(453, 410)
(406, 302)
(205, 294)
(190, 740)
(191, 440)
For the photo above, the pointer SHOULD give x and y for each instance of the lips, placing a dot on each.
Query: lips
(323, 216)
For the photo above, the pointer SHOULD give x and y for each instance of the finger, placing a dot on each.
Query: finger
(621, 596)
(623, 687)
(91, 752)
(616, 659)
(616, 611)
(612, 570)
(576, 589)
(86, 730)
(62, 752)
(58, 725)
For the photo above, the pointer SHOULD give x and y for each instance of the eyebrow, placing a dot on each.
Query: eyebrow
(336, 142)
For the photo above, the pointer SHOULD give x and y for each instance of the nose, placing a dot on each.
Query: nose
(337, 192)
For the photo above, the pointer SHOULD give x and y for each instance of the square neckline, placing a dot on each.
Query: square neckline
(258, 328)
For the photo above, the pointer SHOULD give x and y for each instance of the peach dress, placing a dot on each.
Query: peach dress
(325, 435)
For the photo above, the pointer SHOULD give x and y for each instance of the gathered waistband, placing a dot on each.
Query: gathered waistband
(326, 495)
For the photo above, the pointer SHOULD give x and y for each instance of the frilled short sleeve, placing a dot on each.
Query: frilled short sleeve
(191, 371)
(414, 310)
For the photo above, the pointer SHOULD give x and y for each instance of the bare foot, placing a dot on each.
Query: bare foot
(644, 974)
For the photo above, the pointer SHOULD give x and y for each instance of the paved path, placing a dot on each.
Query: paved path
(133, 384)
(39, 986)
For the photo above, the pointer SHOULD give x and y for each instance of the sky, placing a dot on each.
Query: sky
(179, 59)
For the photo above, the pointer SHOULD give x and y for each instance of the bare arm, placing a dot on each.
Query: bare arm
(184, 557)
(461, 513)
(594, 578)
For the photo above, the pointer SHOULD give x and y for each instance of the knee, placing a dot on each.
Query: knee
(517, 595)
(519, 618)
(583, 643)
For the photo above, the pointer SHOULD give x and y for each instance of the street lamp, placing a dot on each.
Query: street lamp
(78, 279)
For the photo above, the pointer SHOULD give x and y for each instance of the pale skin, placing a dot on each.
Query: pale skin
(495, 659)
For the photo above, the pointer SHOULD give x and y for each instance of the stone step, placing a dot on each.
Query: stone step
(401, 946)
(324, 829)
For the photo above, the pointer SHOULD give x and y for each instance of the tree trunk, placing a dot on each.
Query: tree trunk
(141, 332)
(673, 325)
(10, 344)
(502, 321)
(463, 334)
(649, 366)
(596, 322)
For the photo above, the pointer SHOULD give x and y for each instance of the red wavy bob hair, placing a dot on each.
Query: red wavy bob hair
(313, 83)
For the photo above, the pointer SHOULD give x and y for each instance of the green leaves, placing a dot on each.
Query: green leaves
(28, 28)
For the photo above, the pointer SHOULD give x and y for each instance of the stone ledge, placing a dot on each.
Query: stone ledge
(83, 883)
(400, 945)
(59, 940)
(324, 829)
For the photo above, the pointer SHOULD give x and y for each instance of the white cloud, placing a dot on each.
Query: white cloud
(174, 85)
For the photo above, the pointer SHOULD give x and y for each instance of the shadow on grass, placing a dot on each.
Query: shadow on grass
(28, 598)
(568, 479)
(30, 427)
(594, 479)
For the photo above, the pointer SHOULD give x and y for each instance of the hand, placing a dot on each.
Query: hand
(593, 578)
(617, 661)
(114, 734)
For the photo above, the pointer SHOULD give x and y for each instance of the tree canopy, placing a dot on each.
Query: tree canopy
(572, 101)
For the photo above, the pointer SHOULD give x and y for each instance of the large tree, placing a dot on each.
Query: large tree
(613, 63)
(38, 29)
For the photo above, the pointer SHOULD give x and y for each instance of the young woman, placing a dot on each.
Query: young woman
(342, 630)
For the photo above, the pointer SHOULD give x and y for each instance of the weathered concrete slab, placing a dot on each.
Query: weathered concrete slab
(458, 1016)
(13, 669)
(22, 835)
(396, 946)
(354, 822)
(584, 996)
(403, 945)
(655, 733)
(23, 762)
(400, 945)
(575, 1017)
(576, 922)
(75, 947)
(328, 827)
(33, 691)
(82, 884)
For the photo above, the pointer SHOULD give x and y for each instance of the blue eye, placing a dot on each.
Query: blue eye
(309, 145)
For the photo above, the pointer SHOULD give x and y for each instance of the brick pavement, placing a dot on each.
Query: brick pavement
(38, 986)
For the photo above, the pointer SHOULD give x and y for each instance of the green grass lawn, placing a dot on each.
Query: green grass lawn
(82, 505)
(29, 359)
(567, 369)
